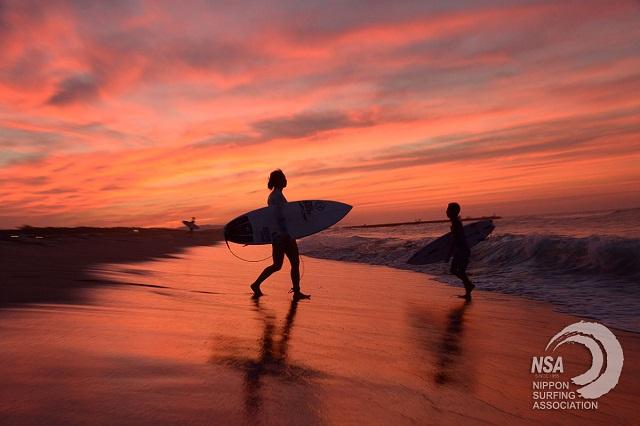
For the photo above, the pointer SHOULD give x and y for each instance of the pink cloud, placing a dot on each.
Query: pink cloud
(147, 110)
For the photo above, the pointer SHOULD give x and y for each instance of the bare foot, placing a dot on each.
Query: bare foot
(298, 295)
(256, 290)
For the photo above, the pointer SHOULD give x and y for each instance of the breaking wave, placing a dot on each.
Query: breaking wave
(599, 255)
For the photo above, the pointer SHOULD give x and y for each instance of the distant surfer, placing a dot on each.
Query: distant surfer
(282, 244)
(459, 249)
(191, 224)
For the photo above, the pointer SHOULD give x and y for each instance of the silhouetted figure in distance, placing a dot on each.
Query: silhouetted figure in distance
(459, 249)
(191, 224)
(282, 245)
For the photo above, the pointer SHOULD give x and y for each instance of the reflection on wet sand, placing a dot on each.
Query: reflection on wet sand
(453, 363)
(451, 349)
(272, 361)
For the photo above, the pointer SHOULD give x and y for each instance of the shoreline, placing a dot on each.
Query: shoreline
(558, 305)
(458, 286)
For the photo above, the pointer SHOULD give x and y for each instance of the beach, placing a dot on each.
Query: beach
(163, 329)
(159, 158)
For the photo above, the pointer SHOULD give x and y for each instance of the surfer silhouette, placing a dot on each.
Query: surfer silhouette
(191, 224)
(459, 249)
(283, 245)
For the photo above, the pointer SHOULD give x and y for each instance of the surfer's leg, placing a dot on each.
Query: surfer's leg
(278, 258)
(455, 266)
(459, 269)
(294, 258)
(468, 285)
(462, 271)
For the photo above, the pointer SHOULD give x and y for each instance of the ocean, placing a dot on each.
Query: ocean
(584, 263)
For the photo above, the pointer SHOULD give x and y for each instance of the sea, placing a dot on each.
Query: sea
(583, 263)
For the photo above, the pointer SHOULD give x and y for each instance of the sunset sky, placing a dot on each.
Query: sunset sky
(146, 113)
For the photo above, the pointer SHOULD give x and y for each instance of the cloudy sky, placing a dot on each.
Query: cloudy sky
(149, 112)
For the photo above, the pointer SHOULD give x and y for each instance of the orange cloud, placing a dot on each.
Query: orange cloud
(146, 113)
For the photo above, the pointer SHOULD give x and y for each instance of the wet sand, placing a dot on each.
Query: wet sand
(179, 340)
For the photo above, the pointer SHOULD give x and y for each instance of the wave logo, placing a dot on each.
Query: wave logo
(606, 354)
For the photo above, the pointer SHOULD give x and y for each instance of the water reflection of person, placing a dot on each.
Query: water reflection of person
(447, 362)
(272, 362)
(283, 245)
(450, 349)
(272, 357)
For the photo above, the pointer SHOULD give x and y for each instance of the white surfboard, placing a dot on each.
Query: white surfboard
(303, 218)
(438, 249)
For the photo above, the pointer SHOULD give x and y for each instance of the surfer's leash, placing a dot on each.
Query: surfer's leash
(242, 258)
(260, 260)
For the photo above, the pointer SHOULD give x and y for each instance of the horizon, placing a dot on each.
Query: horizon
(153, 112)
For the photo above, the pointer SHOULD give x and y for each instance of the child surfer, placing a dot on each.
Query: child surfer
(459, 249)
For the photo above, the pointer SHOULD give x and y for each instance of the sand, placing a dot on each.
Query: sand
(124, 337)
(49, 267)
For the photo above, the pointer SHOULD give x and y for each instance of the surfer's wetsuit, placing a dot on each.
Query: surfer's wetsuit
(459, 248)
(282, 244)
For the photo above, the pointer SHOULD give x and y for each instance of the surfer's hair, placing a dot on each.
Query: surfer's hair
(454, 208)
(277, 179)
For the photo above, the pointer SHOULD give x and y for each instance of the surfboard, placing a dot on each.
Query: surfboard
(303, 218)
(438, 249)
